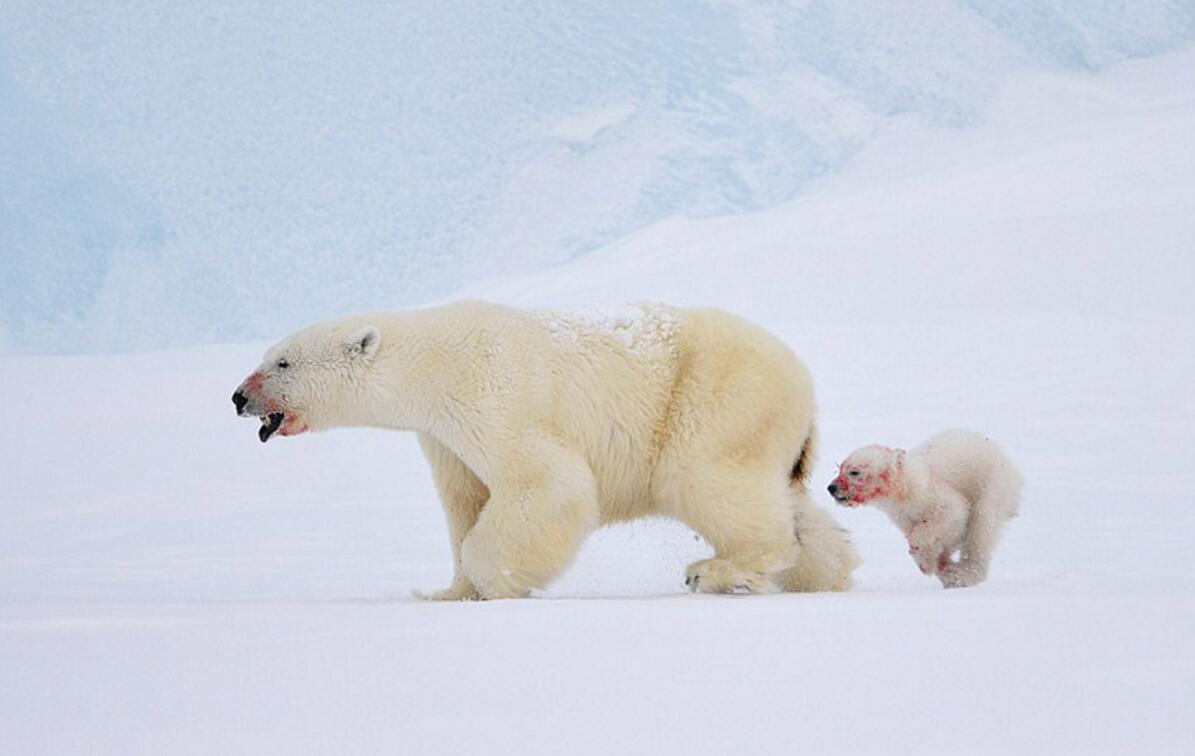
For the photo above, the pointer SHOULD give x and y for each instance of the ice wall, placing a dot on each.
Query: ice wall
(177, 172)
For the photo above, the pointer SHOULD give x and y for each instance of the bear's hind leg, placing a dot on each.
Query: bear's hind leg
(826, 557)
(747, 521)
(541, 508)
(720, 575)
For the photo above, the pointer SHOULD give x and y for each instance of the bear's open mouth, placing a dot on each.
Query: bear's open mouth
(269, 425)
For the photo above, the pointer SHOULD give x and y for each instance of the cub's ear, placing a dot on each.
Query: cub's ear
(364, 342)
(899, 457)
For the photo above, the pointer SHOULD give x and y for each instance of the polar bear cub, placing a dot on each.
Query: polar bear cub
(540, 427)
(950, 497)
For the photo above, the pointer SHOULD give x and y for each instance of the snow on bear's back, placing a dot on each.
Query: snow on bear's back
(646, 330)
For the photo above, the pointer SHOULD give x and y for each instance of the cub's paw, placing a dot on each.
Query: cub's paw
(723, 576)
(960, 575)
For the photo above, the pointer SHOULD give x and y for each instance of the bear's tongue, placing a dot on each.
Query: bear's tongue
(269, 426)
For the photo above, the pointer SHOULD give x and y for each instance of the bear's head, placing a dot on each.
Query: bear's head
(311, 380)
(873, 472)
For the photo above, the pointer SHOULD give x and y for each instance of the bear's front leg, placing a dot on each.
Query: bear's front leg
(462, 495)
(543, 503)
(460, 590)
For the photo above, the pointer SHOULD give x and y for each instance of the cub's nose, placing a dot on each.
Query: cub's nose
(832, 488)
(239, 400)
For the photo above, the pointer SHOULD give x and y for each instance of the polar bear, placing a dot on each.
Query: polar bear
(951, 494)
(540, 427)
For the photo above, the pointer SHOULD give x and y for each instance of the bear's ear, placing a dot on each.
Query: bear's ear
(364, 342)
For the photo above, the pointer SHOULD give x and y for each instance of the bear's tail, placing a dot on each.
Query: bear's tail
(803, 467)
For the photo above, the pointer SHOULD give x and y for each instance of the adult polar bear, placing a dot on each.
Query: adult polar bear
(540, 427)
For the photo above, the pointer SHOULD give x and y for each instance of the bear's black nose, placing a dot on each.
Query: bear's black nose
(833, 489)
(240, 400)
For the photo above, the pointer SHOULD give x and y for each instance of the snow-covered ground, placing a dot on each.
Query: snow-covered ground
(170, 585)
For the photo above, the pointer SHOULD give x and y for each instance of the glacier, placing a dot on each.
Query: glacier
(175, 174)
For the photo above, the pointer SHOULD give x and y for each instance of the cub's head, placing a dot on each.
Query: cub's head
(870, 473)
(311, 380)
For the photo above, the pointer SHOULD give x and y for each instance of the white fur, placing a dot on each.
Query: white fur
(950, 497)
(540, 427)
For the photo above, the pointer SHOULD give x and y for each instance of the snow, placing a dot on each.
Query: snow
(181, 173)
(169, 584)
(643, 327)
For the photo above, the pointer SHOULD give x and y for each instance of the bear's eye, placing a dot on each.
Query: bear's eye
(853, 473)
(283, 364)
